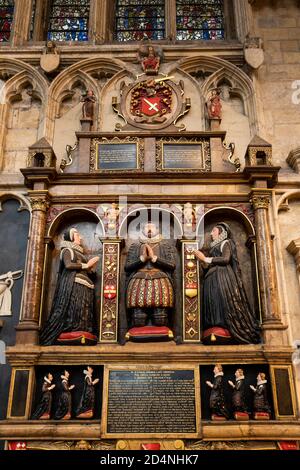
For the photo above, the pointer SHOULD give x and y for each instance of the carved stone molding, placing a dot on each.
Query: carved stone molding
(293, 160)
(39, 204)
(294, 249)
(260, 202)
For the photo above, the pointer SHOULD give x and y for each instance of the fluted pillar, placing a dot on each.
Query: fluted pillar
(265, 261)
(27, 330)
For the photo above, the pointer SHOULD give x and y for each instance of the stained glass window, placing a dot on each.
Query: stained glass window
(6, 19)
(200, 19)
(69, 20)
(139, 19)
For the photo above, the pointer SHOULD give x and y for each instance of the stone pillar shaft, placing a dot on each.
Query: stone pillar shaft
(22, 20)
(265, 260)
(27, 330)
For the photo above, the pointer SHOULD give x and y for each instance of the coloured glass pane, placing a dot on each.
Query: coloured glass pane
(139, 19)
(6, 19)
(69, 20)
(200, 19)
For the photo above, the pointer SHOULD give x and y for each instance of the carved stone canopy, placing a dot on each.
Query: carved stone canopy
(259, 152)
(41, 155)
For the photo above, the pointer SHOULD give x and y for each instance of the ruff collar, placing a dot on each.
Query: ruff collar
(223, 236)
(64, 378)
(47, 380)
(219, 374)
(261, 382)
(87, 374)
(240, 378)
(72, 246)
(144, 239)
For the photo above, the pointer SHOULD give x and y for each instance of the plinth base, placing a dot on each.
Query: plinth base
(218, 418)
(262, 416)
(239, 416)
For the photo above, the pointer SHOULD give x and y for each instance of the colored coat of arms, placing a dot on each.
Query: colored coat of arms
(151, 102)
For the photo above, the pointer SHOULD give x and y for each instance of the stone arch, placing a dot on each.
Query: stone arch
(177, 222)
(249, 227)
(86, 71)
(213, 70)
(69, 212)
(283, 201)
(24, 203)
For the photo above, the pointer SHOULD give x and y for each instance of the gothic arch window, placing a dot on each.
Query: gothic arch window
(6, 18)
(68, 20)
(139, 19)
(200, 20)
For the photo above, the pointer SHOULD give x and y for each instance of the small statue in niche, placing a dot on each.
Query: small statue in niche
(43, 410)
(238, 396)
(217, 400)
(111, 217)
(214, 105)
(72, 319)
(87, 402)
(149, 59)
(88, 107)
(226, 310)
(150, 291)
(64, 407)
(261, 405)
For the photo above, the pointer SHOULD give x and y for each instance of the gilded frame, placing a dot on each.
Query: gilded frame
(97, 142)
(28, 395)
(292, 389)
(205, 147)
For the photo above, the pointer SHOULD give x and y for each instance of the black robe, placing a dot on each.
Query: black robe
(73, 303)
(225, 303)
(45, 403)
(65, 402)
(87, 402)
(261, 403)
(217, 400)
(238, 396)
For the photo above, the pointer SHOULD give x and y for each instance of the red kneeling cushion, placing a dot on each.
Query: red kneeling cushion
(149, 332)
(77, 337)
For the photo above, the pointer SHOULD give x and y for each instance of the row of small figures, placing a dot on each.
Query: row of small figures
(63, 411)
(219, 410)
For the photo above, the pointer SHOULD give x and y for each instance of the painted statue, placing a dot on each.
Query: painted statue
(88, 106)
(225, 303)
(238, 396)
(64, 407)
(214, 105)
(87, 402)
(72, 315)
(43, 409)
(261, 406)
(150, 266)
(6, 285)
(149, 59)
(217, 405)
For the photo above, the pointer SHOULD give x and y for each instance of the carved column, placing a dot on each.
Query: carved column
(27, 330)
(110, 291)
(265, 261)
(22, 20)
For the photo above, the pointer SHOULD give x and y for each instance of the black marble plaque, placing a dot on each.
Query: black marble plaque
(18, 408)
(183, 156)
(151, 401)
(283, 392)
(117, 156)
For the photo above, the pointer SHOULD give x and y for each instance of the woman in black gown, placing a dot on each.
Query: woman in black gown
(73, 303)
(64, 407)
(87, 402)
(225, 303)
(43, 409)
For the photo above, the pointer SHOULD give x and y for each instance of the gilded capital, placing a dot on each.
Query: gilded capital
(39, 204)
(260, 201)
